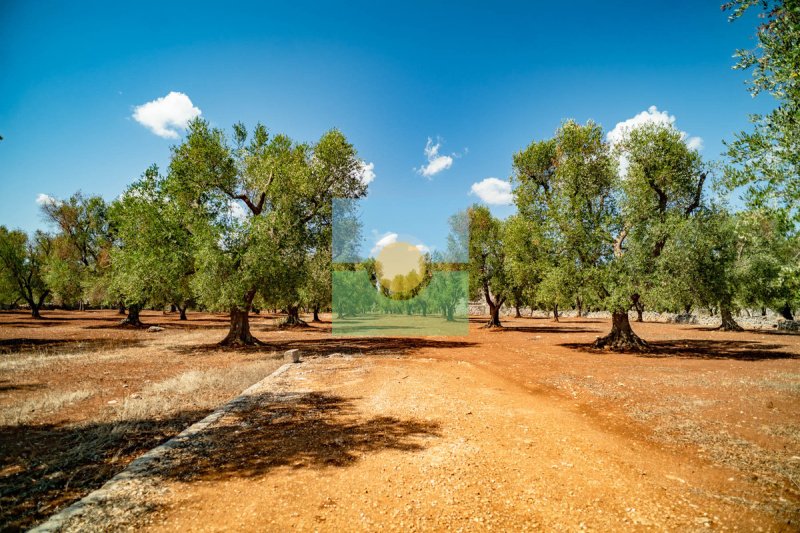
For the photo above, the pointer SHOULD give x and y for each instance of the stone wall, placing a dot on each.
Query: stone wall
(749, 320)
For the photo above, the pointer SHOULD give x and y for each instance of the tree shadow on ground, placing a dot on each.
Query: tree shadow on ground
(703, 349)
(548, 329)
(55, 346)
(8, 386)
(312, 430)
(317, 346)
(48, 466)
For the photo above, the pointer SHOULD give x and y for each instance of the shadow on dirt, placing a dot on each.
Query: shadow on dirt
(56, 346)
(295, 430)
(548, 329)
(348, 345)
(268, 431)
(46, 467)
(704, 349)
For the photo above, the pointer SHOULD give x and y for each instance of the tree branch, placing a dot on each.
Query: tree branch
(697, 193)
(618, 251)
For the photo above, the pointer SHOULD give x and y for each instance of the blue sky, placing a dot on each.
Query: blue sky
(481, 80)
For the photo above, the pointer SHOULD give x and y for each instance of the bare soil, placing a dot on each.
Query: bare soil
(523, 427)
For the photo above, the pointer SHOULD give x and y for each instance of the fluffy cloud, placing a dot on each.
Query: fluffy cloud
(366, 172)
(163, 116)
(652, 115)
(493, 191)
(436, 161)
(655, 116)
(384, 240)
(44, 199)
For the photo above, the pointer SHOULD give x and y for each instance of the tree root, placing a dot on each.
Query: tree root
(237, 342)
(622, 341)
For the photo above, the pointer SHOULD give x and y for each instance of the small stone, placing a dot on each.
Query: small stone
(293, 354)
(154, 329)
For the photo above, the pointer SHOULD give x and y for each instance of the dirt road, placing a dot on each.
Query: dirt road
(418, 443)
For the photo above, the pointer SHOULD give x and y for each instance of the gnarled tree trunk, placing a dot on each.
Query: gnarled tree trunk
(494, 316)
(728, 323)
(639, 306)
(182, 311)
(293, 317)
(518, 314)
(621, 338)
(239, 332)
(555, 312)
(316, 314)
(133, 317)
(786, 312)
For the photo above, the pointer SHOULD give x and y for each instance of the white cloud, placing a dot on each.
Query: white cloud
(695, 143)
(43, 199)
(436, 161)
(493, 191)
(652, 115)
(366, 172)
(423, 248)
(384, 240)
(163, 116)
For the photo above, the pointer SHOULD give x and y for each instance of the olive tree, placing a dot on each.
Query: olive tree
(564, 190)
(22, 261)
(77, 270)
(152, 258)
(488, 275)
(661, 187)
(255, 207)
(767, 158)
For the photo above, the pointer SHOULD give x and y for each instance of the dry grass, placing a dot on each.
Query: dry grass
(41, 405)
(192, 390)
(43, 357)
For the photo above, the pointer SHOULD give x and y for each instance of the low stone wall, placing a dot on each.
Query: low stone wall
(753, 321)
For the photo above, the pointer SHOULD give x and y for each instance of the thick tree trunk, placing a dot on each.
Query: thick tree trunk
(763, 311)
(133, 317)
(121, 308)
(316, 314)
(786, 311)
(555, 312)
(687, 309)
(35, 311)
(728, 323)
(293, 317)
(182, 311)
(621, 338)
(494, 316)
(639, 306)
(518, 314)
(239, 332)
